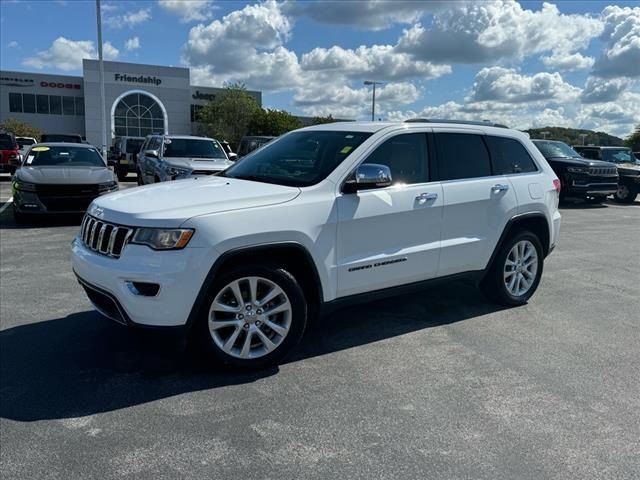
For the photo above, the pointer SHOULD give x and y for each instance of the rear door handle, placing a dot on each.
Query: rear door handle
(425, 197)
(500, 187)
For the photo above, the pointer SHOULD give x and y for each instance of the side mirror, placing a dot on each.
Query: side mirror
(368, 176)
(232, 156)
(151, 153)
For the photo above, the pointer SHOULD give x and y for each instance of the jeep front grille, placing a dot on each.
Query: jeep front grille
(102, 237)
(603, 171)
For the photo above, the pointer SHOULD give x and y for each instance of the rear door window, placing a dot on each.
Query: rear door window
(509, 156)
(462, 155)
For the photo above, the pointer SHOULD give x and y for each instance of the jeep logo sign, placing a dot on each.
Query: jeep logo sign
(73, 86)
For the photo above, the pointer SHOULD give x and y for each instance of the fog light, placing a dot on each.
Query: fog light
(143, 289)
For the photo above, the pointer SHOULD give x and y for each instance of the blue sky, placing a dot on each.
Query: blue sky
(569, 63)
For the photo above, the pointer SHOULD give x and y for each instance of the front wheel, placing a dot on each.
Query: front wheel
(516, 270)
(626, 193)
(254, 317)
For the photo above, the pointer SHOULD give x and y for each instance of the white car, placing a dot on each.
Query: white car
(319, 216)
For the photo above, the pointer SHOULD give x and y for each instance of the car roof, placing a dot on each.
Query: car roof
(373, 127)
(63, 144)
(608, 147)
(192, 137)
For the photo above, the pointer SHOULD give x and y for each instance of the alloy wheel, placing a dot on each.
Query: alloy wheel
(520, 268)
(250, 317)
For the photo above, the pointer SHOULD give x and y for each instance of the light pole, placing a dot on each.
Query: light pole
(373, 102)
(584, 136)
(544, 134)
(103, 123)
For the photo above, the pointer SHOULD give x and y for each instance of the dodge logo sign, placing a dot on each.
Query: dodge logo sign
(72, 86)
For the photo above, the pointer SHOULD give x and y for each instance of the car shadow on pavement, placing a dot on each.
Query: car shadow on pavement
(84, 364)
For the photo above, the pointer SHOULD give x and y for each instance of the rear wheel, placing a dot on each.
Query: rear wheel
(516, 270)
(254, 317)
(626, 193)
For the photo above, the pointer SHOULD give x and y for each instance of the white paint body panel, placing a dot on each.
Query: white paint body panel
(453, 233)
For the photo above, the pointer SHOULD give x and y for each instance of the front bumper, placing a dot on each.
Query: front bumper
(33, 202)
(584, 189)
(179, 273)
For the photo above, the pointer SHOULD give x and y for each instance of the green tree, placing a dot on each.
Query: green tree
(273, 122)
(20, 129)
(633, 142)
(228, 116)
(321, 120)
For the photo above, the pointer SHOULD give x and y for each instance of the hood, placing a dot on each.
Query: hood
(628, 168)
(169, 204)
(65, 175)
(580, 162)
(215, 164)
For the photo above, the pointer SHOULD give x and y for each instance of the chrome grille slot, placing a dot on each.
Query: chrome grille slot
(603, 171)
(103, 237)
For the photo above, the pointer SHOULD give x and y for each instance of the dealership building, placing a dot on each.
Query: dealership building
(139, 100)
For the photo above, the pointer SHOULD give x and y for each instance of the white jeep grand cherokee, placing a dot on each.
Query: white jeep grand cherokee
(317, 216)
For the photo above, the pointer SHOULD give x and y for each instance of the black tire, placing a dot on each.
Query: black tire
(493, 284)
(122, 175)
(627, 193)
(295, 295)
(19, 218)
(140, 180)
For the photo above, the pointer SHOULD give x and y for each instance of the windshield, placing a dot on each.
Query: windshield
(133, 146)
(63, 157)
(6, 143)
(618, 156)
(298, 159)
(24, 142)
(556, 150)
(192, 148)
(49, 138)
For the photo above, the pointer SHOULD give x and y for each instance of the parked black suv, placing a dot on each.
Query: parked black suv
(628, 168)
(589, 179)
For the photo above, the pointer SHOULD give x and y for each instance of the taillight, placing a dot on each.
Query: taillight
(557, 185)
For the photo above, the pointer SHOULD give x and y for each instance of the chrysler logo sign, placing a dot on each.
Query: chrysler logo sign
(145, 79)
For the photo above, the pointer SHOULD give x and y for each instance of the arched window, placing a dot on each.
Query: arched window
(138, 115)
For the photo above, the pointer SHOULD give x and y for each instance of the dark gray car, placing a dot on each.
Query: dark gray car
(60, 178)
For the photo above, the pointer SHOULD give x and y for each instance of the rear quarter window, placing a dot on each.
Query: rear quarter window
(509, 156)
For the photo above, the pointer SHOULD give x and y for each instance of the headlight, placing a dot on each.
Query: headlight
(163, 239)
(24, 186)
(577, 170)
(176, 171)
(107, 187)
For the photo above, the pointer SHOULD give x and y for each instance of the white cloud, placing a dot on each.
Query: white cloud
(132, 44)
(189, 10)
(12, 44)
(482, 32)
(568, 61)
(128, 19)
(346, 102)
(380, 62)
(506, 85)
(622, 34)
(599, 90)
(367, 14)
(65, 54)
(247, 46)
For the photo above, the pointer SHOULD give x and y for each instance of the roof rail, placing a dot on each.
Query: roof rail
(464, 122)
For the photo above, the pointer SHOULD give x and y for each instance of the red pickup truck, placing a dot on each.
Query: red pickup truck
(9, 153)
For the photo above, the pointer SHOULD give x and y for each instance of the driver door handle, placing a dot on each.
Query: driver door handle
(500, 187)
(425, 197)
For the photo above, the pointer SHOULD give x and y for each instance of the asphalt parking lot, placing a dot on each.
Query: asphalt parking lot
(439, 385)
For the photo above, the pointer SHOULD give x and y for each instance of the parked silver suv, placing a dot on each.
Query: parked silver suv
(172, 157)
